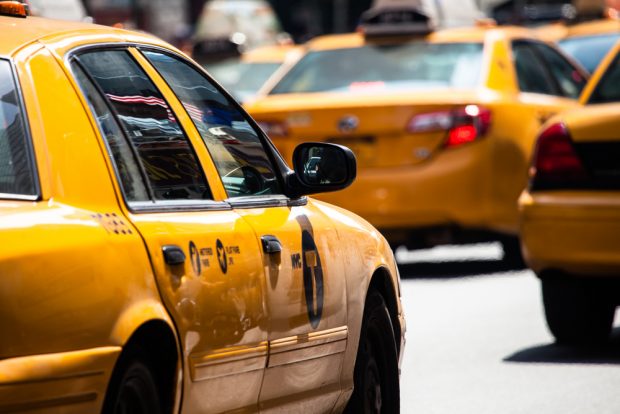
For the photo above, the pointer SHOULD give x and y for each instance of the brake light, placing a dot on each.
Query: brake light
(555, 161)
(463, 125)
(13, 8)
(274, 129)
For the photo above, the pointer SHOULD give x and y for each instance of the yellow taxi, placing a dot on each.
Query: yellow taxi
(159, 256)
(442, 122)
(588, 42)
(244, 77)
(570, 214)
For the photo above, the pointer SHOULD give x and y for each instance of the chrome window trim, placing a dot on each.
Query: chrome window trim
(36, 183)
(140, 207)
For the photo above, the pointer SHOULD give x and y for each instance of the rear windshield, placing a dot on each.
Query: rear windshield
(589, 50)
(415, 65)
(608, 89)
(243, 79)
(16, 172)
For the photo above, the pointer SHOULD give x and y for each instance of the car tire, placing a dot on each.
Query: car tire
(513, 256)
(578, 311)
(133, 390)
(376, 379)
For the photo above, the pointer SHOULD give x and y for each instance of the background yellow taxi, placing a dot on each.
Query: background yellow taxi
(159, 256)
(243, 77)
(570, 214)
(442, 123)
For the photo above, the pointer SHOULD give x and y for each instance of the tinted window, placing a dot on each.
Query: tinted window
(608, 89)
(236, 148)
(569, 79)
(127, 168)
(243, 79)
(16, 174)
(531, 73)
(589, 50)
(416, 65)
(165, 154)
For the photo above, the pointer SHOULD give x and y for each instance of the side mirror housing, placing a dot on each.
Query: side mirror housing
(321, 167)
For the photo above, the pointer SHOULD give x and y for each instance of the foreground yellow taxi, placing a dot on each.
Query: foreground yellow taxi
(159, 256)
(570, 213)
(441, 122)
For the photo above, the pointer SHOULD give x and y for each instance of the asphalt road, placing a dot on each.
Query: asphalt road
(477, 342)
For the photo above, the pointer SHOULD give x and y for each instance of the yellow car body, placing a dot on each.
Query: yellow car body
(570, 220)
(231, 302)
(415, 180)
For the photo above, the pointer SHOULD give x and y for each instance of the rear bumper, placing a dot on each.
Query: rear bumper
(576, 232)
(70, 382)
(451, 188)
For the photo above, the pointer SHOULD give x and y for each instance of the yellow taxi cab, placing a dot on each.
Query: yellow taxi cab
(587, 42)
(442, 122)
(159, 256)
(244, 77)
(570, 214)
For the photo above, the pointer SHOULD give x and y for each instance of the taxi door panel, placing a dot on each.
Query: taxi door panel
(216, 300)
(306, 303)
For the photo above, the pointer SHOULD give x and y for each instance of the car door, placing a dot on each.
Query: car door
(205, 257)
(305, 286)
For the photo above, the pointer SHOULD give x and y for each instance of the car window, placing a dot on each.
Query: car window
(16, 172)
(589, 50)
(235, 146)
(412, 66)
(531, 73)
(127, 168)
(608, 89)
(165, 155)
(568, 77)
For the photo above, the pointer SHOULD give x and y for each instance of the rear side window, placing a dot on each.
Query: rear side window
(589, 50)
(569, 79)
(142, 133)
(608, 89)
(16, 166)
(531, 73)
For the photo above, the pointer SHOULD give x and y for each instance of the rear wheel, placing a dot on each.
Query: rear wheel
(578, 311)
(133, 391)
(376, 383)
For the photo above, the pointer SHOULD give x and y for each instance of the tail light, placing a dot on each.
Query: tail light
(555, 162)
(463, 125)
(274, 129)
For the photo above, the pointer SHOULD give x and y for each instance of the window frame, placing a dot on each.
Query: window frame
(281, 169)
(153, 205)
(29, 145)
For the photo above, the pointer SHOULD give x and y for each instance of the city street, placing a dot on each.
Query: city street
(477, 343)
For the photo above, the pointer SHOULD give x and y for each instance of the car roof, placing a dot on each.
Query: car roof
(560, 30)
(25, 31)
(474, 34)
(271, 53)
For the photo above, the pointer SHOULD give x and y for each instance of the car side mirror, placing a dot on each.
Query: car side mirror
(321, 167)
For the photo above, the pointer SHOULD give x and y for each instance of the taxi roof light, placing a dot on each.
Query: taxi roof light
(555, 161)
(13, 9)
(395, 20)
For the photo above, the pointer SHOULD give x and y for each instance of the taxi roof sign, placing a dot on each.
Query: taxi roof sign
(395, 20)
(13, 8)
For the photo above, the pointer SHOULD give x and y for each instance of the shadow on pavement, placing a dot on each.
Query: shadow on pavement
(457, 269)
(608, 353)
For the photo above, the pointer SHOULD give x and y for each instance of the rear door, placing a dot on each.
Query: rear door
(205, 256)
(305, 293)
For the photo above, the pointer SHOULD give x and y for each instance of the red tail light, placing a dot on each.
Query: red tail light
(274, 129)
(556, 163)
(463, 125)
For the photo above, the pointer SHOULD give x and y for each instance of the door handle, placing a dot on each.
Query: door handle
(173, 255)
(271, 244)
